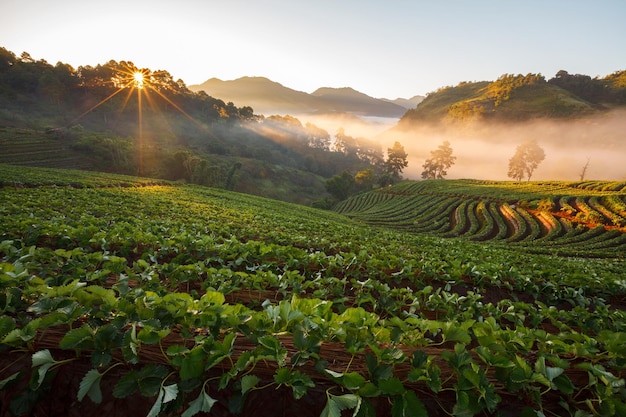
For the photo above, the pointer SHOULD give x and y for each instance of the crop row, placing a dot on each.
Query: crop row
(120, 314)
(569, 223)
(193, 297)
(17, 176)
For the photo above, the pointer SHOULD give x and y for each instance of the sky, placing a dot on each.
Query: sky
(383, 48)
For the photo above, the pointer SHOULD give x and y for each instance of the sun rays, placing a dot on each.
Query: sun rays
(138, 77)
(125, 76)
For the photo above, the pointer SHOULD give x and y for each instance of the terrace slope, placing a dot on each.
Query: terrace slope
(566, 218)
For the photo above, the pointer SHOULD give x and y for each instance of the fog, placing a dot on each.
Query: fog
(483, 149)
(355, 126)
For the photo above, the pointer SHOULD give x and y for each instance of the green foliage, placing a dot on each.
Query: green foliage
(95, 118)
(341, 186)
(521, 97)
(534, 216)
(194, 295)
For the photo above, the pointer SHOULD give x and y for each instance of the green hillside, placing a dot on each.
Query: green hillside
(100, 118)
(521, 97)
(127, 296)
(566, 218)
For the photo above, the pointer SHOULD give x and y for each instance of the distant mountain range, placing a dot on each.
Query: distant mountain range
(269, 97)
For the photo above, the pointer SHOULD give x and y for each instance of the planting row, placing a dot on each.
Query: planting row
(199, 299)
(575, 224)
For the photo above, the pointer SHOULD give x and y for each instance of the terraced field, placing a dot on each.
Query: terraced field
(566, 218)
(29, 147)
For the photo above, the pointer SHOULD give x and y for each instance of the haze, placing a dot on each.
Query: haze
(483, 150)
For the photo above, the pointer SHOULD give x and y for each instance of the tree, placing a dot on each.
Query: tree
(396, 160)
(317, 137)
(584, 171)
(441, 159)
(365, 179)
(526, 159)
(345, 144)
(340, 185)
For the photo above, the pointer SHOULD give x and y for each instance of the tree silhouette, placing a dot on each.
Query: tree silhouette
(526, 159)
(441, 159)
(396, 160)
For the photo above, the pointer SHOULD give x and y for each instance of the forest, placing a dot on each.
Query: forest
(157, 127)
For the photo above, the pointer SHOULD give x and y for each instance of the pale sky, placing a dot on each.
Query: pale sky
(383, 48)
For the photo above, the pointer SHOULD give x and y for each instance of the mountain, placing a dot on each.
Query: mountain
(407, 103)
(268, 97)
(263, 95)
(522, 97)
(348, 100)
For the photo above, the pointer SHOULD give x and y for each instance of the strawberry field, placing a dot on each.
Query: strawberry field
(124, 296)
(565, 218)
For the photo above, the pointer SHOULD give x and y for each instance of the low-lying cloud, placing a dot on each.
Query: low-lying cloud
(483, 150)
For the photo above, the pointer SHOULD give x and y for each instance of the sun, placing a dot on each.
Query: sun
(138, 79)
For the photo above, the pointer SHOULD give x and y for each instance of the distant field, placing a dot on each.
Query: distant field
(30, 147)
(129, 297)
(567, 218)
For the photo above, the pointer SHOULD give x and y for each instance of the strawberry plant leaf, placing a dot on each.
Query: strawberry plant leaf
(170, 393)
(408, 405)
(6, 382)
(248, 382)
(202, 404)
(563, 384)
(90, 385)
(77, 338)
(156, 407)
(192, 364)
(127, 385)
(42, 357)
(7, 324)
(391, 386)
(353, 380)
(366, 409)
(166, 394)
(337, 403)
(43, 361)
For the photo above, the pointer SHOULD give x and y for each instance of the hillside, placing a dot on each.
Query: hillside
(268, 97)
(187, 299)
(97, 117)
(586, 219)
(38, 148)
(521, 98)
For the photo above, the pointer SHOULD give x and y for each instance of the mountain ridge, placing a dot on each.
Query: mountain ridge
(515, 98)
(270, 97)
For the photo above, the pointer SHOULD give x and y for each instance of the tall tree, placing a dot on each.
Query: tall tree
(526, 159)
(441, 159)
(396, 160)
(345, 144)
